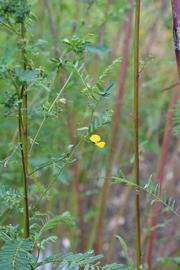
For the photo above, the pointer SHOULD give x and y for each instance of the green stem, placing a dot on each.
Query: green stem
(23, 134)
(136, 133)
(21, 142)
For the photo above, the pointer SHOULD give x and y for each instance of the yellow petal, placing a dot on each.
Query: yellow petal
(95, 138)
(101, 144)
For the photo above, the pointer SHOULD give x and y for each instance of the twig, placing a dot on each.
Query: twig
(170, 87)
(51, 107)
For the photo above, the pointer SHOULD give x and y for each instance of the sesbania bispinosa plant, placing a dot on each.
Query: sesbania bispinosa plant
(66, 92)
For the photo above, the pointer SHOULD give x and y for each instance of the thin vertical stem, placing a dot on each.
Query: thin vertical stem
(23, 133)
(26, 208)
(136, 133)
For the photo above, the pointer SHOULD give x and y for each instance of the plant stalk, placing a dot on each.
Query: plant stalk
(136, 133)
(23, 133)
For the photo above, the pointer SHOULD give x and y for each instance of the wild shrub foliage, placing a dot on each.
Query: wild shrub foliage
(52, 102)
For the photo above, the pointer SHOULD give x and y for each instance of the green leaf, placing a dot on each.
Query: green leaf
(153, 191)
(47, 240)
(82, 129)
(99, 49)
(115, 266)
(10, 199)
(26, 75)
(104, 92)
(86, 261)
(50, 259)
(125, 250)
(15, 255)
(65, 218)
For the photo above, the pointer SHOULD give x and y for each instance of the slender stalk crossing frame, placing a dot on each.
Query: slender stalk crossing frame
(23, 133)
(136, 133)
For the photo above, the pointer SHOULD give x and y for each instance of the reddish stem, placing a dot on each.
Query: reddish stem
(77, 184)
(136, 131)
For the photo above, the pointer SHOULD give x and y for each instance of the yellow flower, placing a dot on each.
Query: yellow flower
(97, 140)
(101, 144)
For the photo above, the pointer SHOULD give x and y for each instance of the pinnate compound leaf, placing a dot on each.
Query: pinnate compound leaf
(15, 255)
(65, 218)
